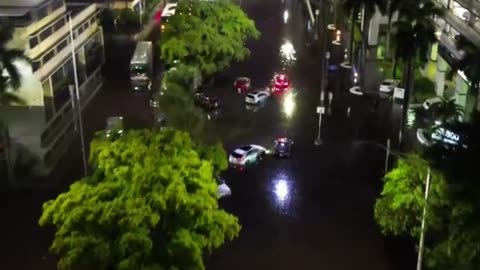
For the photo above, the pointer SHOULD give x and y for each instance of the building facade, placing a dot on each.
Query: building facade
(462, 18)
(42, 129)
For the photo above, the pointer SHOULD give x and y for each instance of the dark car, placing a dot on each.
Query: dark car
(205, 102)
(283, 147)
(242, 84)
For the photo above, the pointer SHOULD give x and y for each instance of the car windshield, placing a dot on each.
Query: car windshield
(245, 148)
(386, 83)
(236, 155)
(250, 96)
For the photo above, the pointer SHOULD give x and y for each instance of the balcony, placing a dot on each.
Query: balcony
(473, 6)
(57, 30)
(461, 26)
(54, 58)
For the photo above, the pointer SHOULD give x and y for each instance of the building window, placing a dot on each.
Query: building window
(45, 34)
(36, 65)
(48, 56)
(60, 84)
(48, 100)
(33, 42)
(41, 13)
(59, 24)
(56, 4)
(61, 45)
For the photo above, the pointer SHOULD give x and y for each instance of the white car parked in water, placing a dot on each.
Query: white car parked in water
(257, 97)
(246, 155)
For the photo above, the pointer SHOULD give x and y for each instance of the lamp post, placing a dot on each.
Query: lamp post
(77, 106)
(421, 243)
(140, 10)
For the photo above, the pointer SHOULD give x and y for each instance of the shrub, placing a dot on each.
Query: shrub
(424, 89)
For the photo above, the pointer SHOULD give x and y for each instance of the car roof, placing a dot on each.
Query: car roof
(243, 79)
(245, 147)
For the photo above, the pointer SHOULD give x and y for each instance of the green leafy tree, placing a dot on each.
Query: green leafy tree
(399, 208)
(7, 59)
(458, 249)
(207, 34)
(151, 203)
(177, 101)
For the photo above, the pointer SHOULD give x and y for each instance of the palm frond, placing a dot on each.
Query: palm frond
(12, 70)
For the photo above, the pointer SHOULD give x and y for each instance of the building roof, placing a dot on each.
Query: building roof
(21, 3)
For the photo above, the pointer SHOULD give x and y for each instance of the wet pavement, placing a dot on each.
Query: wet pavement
(312, 211)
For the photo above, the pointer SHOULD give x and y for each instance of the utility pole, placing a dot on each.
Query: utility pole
(325, 55)
(424, 216)
(77, 97)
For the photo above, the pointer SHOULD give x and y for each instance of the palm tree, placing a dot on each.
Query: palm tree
(447, 111)
(470, 64)
(415, 33)
(392, 7)
(7, 58)
(352, 7)
(8, 83)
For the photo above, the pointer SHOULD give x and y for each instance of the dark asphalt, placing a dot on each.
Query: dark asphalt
(313, 211)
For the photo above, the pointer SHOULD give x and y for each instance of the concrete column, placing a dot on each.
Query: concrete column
(461, 91)
(373, 30)
(440, 76)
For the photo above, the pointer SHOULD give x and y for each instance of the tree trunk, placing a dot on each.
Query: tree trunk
(365, 21)
(387, 46)
(352, 35)
(395, 64)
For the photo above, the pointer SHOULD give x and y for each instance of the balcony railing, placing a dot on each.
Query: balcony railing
(52, 58)
(64, 116)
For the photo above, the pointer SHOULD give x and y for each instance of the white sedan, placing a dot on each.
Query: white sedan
(257, 97)
(246, 155)
(388, 85)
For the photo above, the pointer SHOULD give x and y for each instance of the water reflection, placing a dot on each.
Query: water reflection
(288, 53)
(282, 194)
(285, 16)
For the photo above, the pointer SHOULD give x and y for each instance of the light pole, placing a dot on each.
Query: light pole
(77, 97)
(427, 191)
(140, 4)
(424, 217)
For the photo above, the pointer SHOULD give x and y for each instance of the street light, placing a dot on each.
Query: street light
(427, 191)
(77, 106)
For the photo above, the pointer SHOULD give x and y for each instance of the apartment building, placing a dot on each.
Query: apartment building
(461, 19)
(43, 128)
(134, 5)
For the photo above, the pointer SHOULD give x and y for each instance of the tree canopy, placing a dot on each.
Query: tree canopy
(452, 224)
(399, 208)
(7, 58)
(151, 203)
(207, 34)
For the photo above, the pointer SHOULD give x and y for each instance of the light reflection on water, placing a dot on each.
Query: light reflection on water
(288, 53)
(282, 193)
